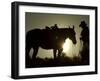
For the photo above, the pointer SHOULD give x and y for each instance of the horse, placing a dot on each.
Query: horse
(48, 39)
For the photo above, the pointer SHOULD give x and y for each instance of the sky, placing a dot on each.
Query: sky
(40, 20)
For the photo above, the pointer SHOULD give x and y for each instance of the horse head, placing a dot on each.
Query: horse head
(68, 33)
(72, 35)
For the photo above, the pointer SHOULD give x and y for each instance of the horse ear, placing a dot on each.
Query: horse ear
(73, 27)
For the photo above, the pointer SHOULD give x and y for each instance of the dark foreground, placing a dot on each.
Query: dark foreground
(61, 61)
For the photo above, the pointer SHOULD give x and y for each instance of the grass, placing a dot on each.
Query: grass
(59, 61)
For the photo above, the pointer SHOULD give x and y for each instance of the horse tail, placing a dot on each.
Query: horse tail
(32, 38)
(27, 49)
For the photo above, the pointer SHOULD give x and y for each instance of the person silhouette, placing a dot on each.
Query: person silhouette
(85, 38)
(84, 33)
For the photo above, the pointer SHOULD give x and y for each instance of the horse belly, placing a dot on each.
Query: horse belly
(46, 45)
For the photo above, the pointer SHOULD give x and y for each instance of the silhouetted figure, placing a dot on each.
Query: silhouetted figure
(85, 32)
(47, 39)
(85, 38)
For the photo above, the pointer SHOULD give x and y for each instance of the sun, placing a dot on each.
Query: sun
(67, 45)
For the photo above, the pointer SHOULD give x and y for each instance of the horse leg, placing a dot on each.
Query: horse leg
(27, 58)
(34, 54)
(59, 52)
(54, 53)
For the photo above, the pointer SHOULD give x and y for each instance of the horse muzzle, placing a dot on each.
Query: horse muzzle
(74, 42)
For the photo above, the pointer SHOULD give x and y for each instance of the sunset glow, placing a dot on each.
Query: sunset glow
(67, 45)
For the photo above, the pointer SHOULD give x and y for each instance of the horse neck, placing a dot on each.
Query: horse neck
(70, 33)
(64, 33)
